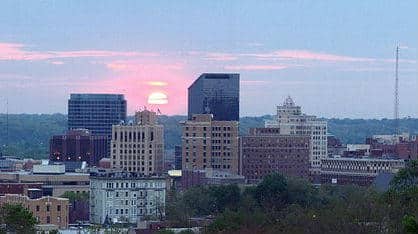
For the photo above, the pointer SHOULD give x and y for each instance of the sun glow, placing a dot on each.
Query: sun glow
(158, 98)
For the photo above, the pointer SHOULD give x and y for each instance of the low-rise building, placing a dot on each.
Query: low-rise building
(47, 210)
(359, 171)
(209, 176)
(54, 182)
(78, 145)
(126, 197)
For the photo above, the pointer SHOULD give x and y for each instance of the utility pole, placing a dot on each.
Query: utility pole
(396, 112)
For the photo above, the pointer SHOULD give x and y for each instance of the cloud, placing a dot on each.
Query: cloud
(220, 57)
(308, 55)
(14, 51)
(157, 83)
(57, 62)
(140, 78)
(254, 67)
(140, 65)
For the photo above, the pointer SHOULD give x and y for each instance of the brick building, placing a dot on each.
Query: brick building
(47, 210)
(78, 145)
(265, 151)
(208, 143)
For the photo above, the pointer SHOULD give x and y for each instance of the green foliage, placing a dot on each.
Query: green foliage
(17, 219)
(410, 224)
(290, 205)
(29, 134)
(406, 178)
(73, 196)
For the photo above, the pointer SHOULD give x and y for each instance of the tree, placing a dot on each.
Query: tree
(271, 193)
(406, 177)
(17, 219)
(410, 224)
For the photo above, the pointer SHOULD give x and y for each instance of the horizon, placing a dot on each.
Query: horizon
(151, 53)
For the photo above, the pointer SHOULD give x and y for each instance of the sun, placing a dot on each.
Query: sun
(158, 98)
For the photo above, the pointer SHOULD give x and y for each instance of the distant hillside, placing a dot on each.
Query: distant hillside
(29, 134)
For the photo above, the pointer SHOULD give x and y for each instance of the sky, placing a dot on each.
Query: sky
(335, 58)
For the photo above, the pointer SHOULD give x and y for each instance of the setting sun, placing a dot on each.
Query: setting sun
(157, 98)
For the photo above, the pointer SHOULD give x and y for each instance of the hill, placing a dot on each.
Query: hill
(29, 133)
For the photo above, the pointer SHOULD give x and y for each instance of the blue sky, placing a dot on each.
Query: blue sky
(335, 58)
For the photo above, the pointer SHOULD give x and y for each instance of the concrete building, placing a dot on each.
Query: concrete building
(208, 176)
(77, 146)
(55, 181)
(291, 121)
(138, 147)
(47, 210)
(208, 143)
(359, 171)
(217, 94)
(126, 197)
(265, 151)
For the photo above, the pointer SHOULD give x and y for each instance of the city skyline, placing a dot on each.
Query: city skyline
(336, 59)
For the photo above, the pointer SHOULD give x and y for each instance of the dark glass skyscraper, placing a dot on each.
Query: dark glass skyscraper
(96, 112)
(217, 94)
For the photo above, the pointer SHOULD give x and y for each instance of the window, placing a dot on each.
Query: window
(58, 208)
(47, 208)
(37, 208)
(48, 219)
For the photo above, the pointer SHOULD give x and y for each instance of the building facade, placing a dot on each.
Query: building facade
(96, 112)
(138, 147)
(177, 157)
(207, 143)
(217, 94)
(126, 197)
(47, 210)
(54, 183)
(78, 145)
(359, 171)
(265, 151)
(291, 121)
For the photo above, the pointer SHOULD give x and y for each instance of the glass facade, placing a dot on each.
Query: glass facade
(217, 94)
(96, 112)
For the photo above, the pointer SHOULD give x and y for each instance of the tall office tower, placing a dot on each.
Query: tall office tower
(96, 112)
(265, 151)
(291, 121)
(138, 147)
(217, 94)
(78, 145)
(208, 143)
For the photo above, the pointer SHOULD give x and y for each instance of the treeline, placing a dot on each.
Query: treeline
(289, 205)
(27, 135)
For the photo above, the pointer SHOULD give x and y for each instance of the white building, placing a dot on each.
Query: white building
(359, 147)
(292, 121)
(138, 147)
(126, 197)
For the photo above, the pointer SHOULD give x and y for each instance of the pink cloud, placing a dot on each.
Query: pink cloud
(254, 67)
(220, 57)
(308, 55)
(14, 51)
(138, 79)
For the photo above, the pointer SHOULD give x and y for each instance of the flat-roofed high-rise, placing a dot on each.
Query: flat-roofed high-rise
(216, 94)
(96, 112)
